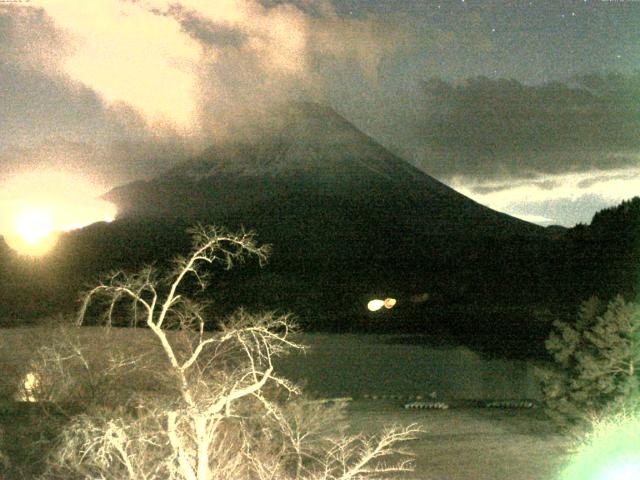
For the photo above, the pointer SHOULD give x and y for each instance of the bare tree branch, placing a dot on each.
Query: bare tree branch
(226, 423)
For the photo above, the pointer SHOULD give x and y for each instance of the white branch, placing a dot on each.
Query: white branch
(196, 353)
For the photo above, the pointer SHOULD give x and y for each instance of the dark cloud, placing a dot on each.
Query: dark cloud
(588, 183)
(36, 105)
(251, 61)
(203, 29)
(504, 127)
(505, 186)
(39, 101)
(368, 66)
(28, 37)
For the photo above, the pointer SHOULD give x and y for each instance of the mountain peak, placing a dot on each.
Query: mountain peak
(297, 138)
(307, 158)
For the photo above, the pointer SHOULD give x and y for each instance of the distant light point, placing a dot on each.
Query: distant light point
(376, 304)
(390, 303)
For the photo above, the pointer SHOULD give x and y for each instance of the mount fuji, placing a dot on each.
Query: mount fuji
(347, 219)
(311, 163)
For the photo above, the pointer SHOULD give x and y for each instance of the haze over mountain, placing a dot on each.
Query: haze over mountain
(302, 158)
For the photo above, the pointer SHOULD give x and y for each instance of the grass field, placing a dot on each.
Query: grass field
(458, 443)
(472, 443)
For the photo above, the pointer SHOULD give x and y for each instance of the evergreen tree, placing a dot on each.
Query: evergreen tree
(596, 362)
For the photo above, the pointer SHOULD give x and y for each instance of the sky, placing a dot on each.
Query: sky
(531, 108)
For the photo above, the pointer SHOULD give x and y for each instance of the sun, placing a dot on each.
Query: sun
(36, 209)
(32, 231)
(33, 225)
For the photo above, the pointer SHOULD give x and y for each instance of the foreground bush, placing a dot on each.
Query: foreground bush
(221, 411)
(596, 364)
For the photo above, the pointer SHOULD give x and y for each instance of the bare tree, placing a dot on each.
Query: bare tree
(232, 415)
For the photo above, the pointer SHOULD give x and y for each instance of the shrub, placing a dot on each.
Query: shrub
(595, 363)
(223, 412)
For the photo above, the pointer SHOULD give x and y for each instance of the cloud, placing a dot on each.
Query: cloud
(503, 128)
(50, 121)
(258, 55)
(129, 55)
(30, 38)
(550, 153)
(126, 88)
(564, 199)
(202, 29)
(106, 164)
(201, 68)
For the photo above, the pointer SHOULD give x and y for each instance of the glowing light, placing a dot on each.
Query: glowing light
(32, 232)
(612, 452)
(375, 305)
(390, 303)
(36, 208)
(624, 471)
(33, 225)
(29, 387)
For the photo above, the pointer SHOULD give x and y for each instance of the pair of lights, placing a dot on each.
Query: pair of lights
(376, 304)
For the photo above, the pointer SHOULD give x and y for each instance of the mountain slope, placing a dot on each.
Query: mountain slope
(308, 158)
(347, 219)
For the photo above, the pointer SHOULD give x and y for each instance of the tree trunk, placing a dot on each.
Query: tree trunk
(200, 424)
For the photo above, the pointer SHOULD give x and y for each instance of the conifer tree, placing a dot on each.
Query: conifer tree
(596, 362)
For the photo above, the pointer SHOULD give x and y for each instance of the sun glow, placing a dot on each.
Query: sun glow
(36, 208)
(33, 225)
(33, 231)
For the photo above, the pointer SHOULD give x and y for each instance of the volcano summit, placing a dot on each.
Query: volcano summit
(308, 157)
